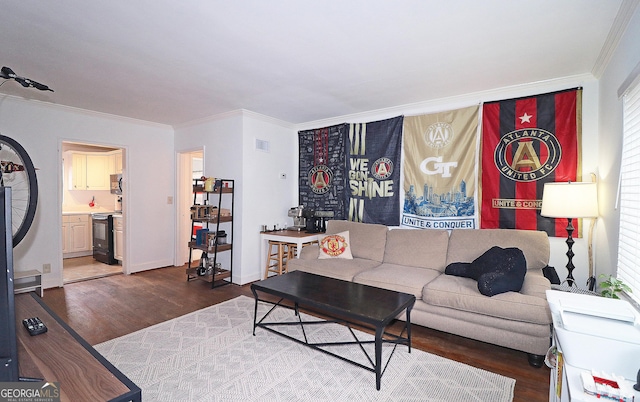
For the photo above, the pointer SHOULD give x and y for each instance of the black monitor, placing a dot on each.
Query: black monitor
(8, 342)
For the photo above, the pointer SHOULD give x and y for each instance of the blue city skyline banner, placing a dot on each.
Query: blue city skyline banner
(440, 171)
(373, 171)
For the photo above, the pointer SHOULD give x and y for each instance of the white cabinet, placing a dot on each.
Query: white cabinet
(591, 333)
(118, 238)
(76, 235)
(98, 172)
(78, 171)
(117, 160)
(90, 171)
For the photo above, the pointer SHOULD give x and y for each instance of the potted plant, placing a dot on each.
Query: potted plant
(612, 286)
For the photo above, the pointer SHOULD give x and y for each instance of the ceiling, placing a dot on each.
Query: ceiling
(172, 62)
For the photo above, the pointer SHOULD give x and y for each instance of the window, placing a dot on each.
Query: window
(629, 202)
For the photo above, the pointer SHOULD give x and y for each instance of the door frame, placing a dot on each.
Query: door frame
(184, 193)
(125, 190)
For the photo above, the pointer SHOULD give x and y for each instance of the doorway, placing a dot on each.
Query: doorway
(190, 166)
(86, 190)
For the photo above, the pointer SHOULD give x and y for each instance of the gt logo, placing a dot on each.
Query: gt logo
(441, 168)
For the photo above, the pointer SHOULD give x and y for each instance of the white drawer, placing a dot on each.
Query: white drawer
(75, 218)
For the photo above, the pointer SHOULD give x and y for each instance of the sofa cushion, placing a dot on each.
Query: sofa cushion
(401, 278)
(465, 245)
(335, 246)
(462, 294)
(417, 248)
(367, 240)
(497, 270)
(333, 268)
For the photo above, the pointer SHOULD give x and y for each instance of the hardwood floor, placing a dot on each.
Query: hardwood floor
(113, 306)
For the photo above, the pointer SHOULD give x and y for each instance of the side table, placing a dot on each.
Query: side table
(28, 281)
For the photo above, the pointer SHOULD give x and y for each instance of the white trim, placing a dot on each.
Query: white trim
(235, 113)
(625, 12)
(455, 102)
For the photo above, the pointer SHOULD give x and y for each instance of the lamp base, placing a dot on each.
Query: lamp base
(570, 253)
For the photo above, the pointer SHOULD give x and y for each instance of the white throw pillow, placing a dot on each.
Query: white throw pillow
(335, 246)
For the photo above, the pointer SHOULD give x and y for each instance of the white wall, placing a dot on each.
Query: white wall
(267, 197)
(261, 197)
(623, 61)
(558, 257)
(40, 128)
(221, 139)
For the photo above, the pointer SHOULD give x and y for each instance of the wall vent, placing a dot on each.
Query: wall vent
(262, 145)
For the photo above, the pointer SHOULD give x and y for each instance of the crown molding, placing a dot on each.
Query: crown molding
(77, 110)
(235, 113)
(453, 102)
(625, 13)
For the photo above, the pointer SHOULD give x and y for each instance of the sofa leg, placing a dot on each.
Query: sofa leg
(535, 360)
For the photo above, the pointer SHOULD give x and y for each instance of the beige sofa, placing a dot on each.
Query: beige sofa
(414, 261)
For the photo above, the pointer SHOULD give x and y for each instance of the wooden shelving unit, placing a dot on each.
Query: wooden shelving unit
(216, 275)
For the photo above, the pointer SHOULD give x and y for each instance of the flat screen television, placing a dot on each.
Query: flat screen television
(8, 341)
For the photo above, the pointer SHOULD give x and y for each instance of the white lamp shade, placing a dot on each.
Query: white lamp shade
(569, 200)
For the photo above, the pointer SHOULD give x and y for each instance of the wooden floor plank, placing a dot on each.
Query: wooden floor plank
(113, 306)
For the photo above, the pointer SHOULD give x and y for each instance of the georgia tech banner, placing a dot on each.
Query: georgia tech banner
(527, 142)
(439, 169)
(322, 169)
(374, 171)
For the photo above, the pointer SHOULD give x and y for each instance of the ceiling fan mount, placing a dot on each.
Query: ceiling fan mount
(8, 74)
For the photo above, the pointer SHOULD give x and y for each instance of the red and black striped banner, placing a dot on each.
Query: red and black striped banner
(527, 142)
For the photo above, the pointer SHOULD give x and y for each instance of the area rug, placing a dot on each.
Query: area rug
(211, 355)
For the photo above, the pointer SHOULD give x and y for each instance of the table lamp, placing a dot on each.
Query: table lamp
(570, 200)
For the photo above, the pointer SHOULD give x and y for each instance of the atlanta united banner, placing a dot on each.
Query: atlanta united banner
(322, 169)
(374, 171)
(527, 142)
(439, 170)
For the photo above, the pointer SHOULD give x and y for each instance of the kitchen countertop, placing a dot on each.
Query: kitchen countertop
(88, 212)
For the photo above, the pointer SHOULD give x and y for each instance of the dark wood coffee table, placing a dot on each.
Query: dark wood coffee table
(344, 302)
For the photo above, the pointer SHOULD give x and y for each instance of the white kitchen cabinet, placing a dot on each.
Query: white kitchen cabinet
(76, 235)
(90, 171)
(117, 157)
(78, 171)
(118, 237)
(115, 162)
(98, 172)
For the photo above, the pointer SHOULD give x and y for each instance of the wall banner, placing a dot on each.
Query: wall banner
(439, 170)
(526, 143)
(322, 169)
(374, 171)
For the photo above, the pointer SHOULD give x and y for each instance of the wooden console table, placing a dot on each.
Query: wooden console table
(61, 355)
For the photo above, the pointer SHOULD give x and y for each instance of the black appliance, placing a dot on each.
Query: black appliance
(115, 183)
(102, 225)
(317, 220)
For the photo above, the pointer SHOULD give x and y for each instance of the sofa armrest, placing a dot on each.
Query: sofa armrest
(535, 284)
